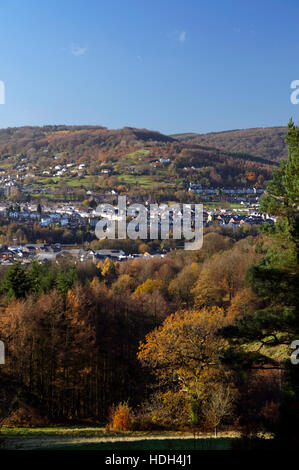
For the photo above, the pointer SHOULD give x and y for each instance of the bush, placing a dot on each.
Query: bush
(121, 418)
(163, 411)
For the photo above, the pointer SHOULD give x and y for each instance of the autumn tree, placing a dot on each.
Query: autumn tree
(149, 286)
(184, 349)
(223, 275)
(181, 286)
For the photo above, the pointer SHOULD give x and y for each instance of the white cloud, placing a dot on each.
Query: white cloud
(77, 50)
(182, 36)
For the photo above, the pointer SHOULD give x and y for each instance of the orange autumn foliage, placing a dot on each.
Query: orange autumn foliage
(185, 346)
(121, 418)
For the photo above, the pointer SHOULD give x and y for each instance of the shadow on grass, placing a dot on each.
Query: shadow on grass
(150, 444)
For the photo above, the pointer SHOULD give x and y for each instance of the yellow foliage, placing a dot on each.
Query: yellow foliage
(121, 418)
(185, 347)
(149, 286)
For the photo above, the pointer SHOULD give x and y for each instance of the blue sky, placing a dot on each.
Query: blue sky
(168, 65)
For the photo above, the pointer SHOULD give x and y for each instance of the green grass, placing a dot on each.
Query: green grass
(75, 181)
(138, 154)
(151, 444)
(44, 181)
(6, 164)
(220, 205)
(278, 352)
(144, 181)
(62, 431)
(97, 438)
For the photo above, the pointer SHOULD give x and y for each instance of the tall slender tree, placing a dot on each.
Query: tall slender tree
(275, 281)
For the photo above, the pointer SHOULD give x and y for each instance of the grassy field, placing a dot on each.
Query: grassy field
(96, 438)
(228, 205)
(47, 182)
(150, 444)
(144, 181)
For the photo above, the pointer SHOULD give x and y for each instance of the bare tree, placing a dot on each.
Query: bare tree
(218, 405)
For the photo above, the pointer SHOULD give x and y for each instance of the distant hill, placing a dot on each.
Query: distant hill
(265, 142)
(132, 156)
(78, 139)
